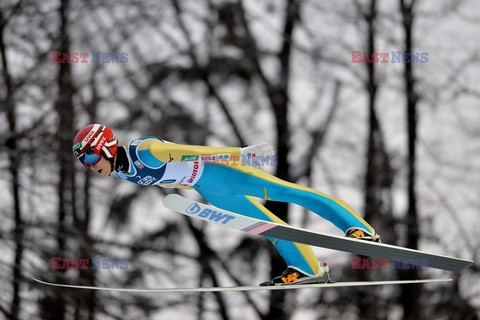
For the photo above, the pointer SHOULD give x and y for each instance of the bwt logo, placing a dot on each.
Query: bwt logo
(59, 263)
(96, 57)
(382, 57)
(396, 263)
(217, 216)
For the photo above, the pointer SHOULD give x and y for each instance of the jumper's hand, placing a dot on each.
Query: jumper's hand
(257, 154)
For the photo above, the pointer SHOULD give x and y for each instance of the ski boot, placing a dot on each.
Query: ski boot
(362, 235)
(294, 276)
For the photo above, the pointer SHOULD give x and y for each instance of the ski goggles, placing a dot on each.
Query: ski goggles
(89, 158)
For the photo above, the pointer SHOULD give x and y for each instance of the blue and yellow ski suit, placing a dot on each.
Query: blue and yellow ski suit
(217, 174)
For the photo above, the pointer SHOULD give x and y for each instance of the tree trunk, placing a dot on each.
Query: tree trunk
(410, 294)
(377, 183)
(13, 168)
(55, 307)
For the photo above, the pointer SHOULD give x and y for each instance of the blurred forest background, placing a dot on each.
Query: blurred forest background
(400, 142)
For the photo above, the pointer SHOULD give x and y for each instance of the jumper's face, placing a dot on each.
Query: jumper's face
(102, 167)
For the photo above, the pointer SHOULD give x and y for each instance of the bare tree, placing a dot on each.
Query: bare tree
(411, 293)
(56, 306)
(378, 172)
(14, 157)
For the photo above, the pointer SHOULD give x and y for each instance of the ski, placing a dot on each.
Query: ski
(236, 221)
(248, 288)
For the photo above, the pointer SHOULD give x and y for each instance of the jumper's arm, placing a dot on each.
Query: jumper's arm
(171, 152)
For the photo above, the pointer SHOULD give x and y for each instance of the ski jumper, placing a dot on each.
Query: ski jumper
(218, 175)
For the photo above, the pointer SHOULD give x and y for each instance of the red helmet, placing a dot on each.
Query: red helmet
(91, 141)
